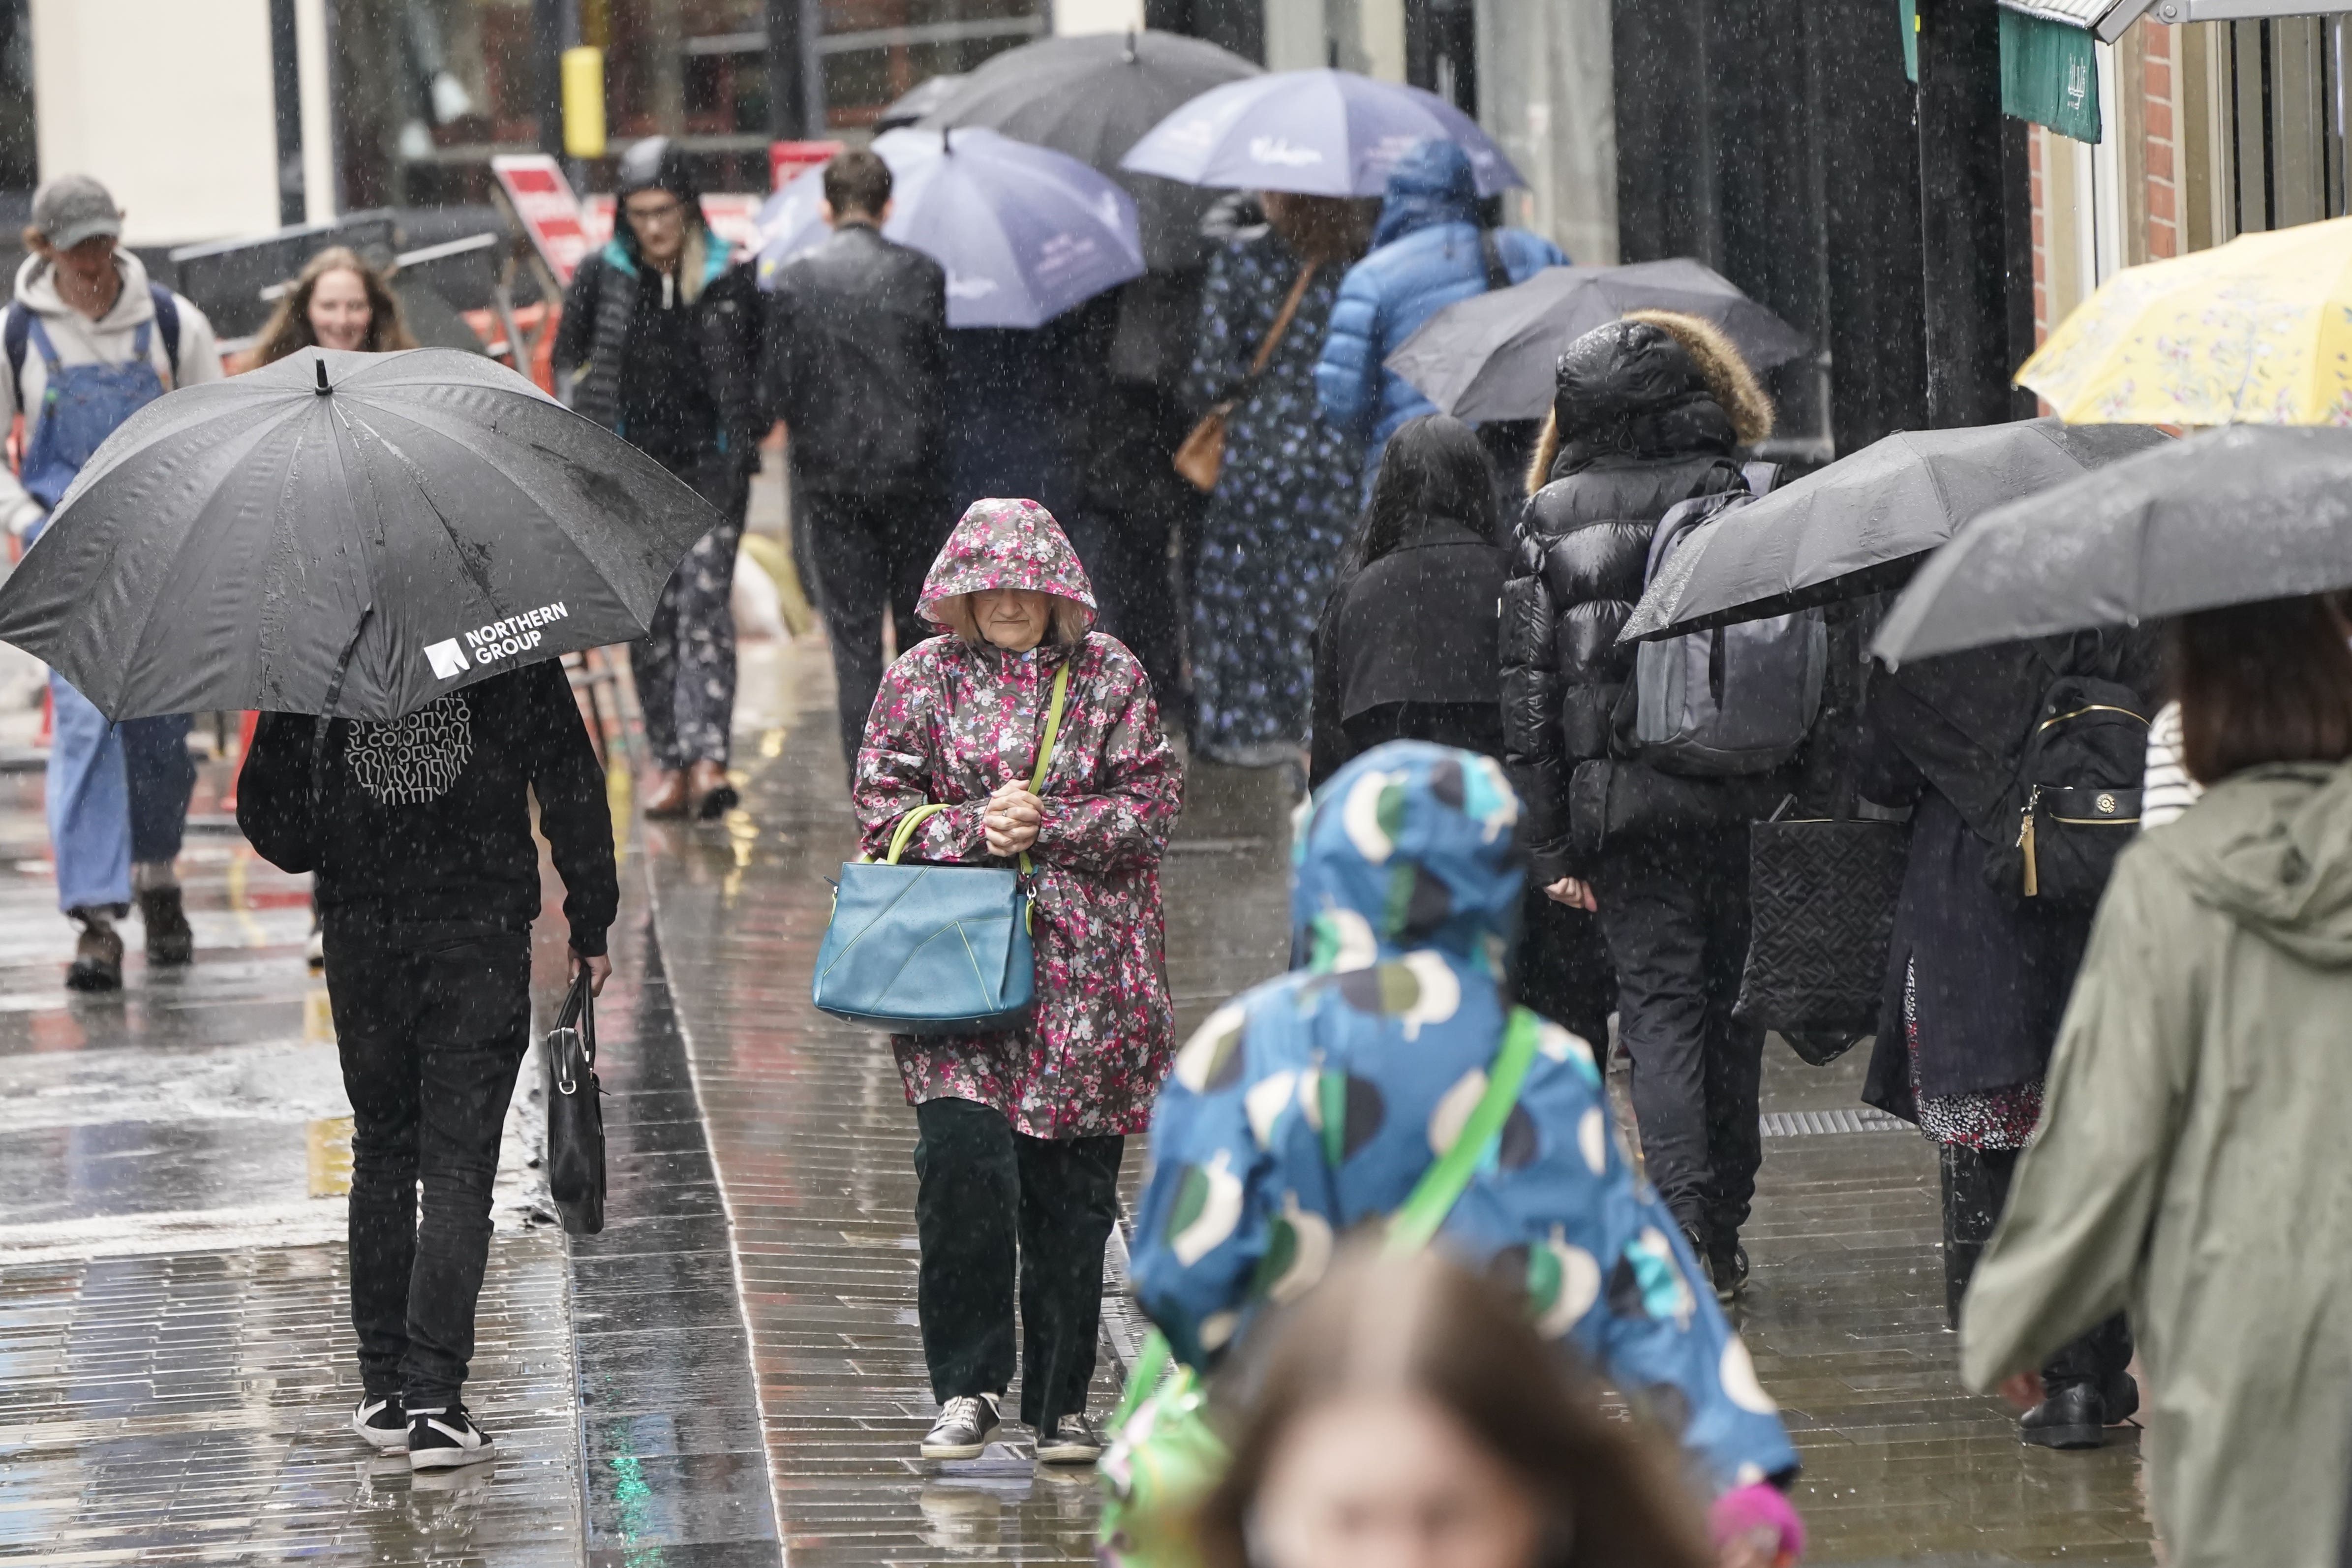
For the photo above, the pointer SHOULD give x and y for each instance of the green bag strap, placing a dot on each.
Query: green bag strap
(914, 819)
(1441, 1185)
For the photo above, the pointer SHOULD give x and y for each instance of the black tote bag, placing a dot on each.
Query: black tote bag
(1821, 896)
(575, 1118)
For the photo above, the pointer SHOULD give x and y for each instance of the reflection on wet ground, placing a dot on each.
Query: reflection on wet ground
(731, 1372)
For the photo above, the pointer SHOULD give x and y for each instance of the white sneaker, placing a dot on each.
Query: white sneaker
(444, 1440)
(966, 1424)
(382, 1423)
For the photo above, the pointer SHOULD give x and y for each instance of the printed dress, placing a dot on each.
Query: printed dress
(953, 721)
(1312, 1104)
(1283, 507)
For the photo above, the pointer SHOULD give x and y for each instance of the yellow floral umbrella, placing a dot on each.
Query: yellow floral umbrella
(2256, 332)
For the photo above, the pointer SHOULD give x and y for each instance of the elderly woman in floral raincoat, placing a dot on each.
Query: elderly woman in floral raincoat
(1020, 1131)
(1313, 1104)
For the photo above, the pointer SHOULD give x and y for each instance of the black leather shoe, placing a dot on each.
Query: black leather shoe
(2071, 1417)
(2120, 1399)
(1726, 1263)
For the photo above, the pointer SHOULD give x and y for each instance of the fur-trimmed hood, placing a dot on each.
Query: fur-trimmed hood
(1652, 383)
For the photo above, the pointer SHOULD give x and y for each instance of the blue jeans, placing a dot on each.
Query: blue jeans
(117, 792)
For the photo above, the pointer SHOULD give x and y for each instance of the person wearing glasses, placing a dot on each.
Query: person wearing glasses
(661, 337)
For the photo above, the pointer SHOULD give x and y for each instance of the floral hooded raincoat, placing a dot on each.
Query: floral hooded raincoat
(1313, 1104)
(954, 720)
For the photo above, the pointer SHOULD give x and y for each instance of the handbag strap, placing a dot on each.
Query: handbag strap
(914, 819)
(1432, 1197)
(1490, 257)
(1274, 335)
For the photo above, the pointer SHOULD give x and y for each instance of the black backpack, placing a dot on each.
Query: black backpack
(2077, 794)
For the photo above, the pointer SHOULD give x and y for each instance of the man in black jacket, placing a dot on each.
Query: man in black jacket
(427, 878)
(662, 336)
(856, 367)
(1647, 414)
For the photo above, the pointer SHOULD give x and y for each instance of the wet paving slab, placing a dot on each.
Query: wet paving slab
(176, 1363)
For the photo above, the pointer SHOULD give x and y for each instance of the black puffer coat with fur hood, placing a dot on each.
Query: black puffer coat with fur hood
(1647, 414)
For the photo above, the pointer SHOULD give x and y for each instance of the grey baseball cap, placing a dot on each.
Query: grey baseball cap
(72, 208)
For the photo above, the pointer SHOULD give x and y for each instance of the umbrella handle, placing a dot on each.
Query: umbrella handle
(327, 715)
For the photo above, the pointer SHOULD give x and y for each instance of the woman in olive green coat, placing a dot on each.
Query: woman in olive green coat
(2194, 1160)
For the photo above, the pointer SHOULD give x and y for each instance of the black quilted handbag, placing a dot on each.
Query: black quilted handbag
(575, 1118)
(1821, 896)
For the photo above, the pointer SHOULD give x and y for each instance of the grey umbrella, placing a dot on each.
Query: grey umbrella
(1491, 356)
(1863, 523)
(345, 533)
(2232, 516)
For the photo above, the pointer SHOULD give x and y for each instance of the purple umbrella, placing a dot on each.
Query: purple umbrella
(1319, 134)
(1024, 232)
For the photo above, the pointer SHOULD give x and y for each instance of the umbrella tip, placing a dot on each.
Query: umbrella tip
(322, 362)
(1130, 46)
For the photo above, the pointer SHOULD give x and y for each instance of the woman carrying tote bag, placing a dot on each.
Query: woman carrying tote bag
(1021, 1131)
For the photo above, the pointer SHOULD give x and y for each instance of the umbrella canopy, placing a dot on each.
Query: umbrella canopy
(2256, 332)
(1862, 524)
(1492, 356)
(2226, 516)
(1024, 232)
(918, 100)
(1093, 96)
(1315, 132)
(345, 533)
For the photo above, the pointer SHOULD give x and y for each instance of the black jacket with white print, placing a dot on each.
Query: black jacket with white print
(424, 822)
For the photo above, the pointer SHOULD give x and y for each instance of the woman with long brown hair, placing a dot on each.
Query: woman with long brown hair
(1407, 1411)
(2189, 1162)
(338, 302)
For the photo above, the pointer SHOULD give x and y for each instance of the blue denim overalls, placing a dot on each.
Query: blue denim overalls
(116, 793)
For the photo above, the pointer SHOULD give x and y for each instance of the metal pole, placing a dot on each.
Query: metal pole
(787, 89)
(1962, 213)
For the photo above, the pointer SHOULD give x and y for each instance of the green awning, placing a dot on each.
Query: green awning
(2049, 70)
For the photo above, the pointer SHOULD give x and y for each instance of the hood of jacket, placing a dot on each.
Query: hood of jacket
(2271, 849)
(1005, 543)
(1432, 183)
(1410, 845)
(1654, 385)
(36, 291)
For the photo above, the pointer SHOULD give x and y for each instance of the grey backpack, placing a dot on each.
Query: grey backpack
(1738, 699)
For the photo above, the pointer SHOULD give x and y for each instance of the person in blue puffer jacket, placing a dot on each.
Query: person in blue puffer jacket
(1311, 1105)
(1426, 255)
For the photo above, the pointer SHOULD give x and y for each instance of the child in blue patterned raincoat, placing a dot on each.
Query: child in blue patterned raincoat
(1312, 1104)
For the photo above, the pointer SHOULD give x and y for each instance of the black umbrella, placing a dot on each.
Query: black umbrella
(1863, 523)
(345, 533)
(1491, 356)
(1093, 96)
(921, 99)
(2232, 516)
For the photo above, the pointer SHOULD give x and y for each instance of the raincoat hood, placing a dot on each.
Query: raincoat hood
(1432, 183)
(1005, 543)
(1654, 385)
(1410, 845)
(2271, 849)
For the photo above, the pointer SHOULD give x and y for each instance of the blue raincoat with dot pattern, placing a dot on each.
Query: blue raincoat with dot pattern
(1311, 1104)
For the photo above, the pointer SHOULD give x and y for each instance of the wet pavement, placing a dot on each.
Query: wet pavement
(730, 1375)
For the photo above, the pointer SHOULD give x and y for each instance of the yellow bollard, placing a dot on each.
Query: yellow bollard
(584, 101)
(330, 1146)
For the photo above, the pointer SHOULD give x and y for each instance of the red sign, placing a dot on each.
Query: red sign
(788, 159)
(543, 204)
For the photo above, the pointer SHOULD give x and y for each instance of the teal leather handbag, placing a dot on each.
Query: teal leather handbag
(933, 950)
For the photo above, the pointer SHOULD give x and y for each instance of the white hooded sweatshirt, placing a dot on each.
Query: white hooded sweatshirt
(80, 341)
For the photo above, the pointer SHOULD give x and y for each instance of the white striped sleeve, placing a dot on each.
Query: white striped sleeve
(2167, 791)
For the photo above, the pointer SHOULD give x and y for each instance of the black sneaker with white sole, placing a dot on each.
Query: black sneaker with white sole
(382, 1421)
(1071, 1440)
(444, 1440)
(967, 1424)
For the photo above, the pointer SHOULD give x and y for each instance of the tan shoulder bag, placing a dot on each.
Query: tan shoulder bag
(1202, 458)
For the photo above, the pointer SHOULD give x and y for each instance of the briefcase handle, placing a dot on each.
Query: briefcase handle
(578, 1018)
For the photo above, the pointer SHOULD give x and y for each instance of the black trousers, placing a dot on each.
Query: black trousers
(984, 1194)
(1675, 910)
(871, 552)
(432, 1031)
(1976, 1189)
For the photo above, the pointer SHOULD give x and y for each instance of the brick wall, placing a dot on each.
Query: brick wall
(2159, 101)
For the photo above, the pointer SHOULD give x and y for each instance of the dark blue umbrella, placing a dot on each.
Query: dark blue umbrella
(1319, 133)
(1024, 232)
